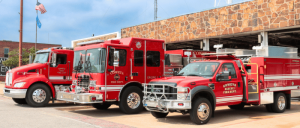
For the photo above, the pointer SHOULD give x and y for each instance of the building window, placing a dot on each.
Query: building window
(6, 51)
(153, 59)
(138, 58)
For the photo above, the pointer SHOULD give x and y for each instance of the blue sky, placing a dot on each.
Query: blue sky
(67, 20)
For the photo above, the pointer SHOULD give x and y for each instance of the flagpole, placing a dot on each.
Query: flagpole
(36, 29)
(21, 33)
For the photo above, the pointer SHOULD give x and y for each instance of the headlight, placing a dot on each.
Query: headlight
(92, 83)
(182, 93)
(20, 84)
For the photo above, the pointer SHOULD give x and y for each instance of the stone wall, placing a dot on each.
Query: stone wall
(256, 15)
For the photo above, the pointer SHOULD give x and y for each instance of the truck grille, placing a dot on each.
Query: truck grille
(159, 89)
(83, 82)
(8, 79)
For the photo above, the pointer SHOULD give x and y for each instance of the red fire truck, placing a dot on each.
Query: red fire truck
(35, 83)
(222, 79)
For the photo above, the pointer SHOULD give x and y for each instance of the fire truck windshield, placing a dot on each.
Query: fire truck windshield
(205, 69)
(41, 57)
(92, 60)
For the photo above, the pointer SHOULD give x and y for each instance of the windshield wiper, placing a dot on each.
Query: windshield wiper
(192, 75)
(89, 66)
(79, 66)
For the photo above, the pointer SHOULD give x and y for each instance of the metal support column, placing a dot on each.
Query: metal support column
(206, 44)
(265, 39)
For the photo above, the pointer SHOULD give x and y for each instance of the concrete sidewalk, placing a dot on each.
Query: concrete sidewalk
(1, 87)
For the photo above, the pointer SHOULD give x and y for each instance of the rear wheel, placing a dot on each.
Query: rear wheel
(201, 111)
(131, 100)
(237, 107)
(159, 114)
(279, 104)
(38, 95)
(101, 106)
(19, 101)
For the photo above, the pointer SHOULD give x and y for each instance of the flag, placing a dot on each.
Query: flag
(38, 22)
(40, 7)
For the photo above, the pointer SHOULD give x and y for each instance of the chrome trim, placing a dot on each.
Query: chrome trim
(15, 93)
(203, 111)
(133, 100)
(105, 81)
(83, 98)
(273, 89)
(281, 103)
(159, 104)
(39, 95)
(145, 63)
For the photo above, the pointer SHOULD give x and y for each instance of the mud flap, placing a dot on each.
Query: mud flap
(288, 101)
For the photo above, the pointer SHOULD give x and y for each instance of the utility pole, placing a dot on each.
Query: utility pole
(155, 9)
(21, 33)
(36, 30)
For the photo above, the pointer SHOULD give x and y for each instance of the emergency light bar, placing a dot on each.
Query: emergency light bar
(90, 42)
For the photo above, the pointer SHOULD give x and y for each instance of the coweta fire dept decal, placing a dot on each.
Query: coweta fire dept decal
(229, 88)
(117, 76)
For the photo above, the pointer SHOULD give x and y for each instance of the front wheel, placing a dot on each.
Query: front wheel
(201, 111)
(159, 114)
(131, 100)
(38, 95)
(19, 101)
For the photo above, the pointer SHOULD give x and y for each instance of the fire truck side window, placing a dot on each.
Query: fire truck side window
(138, 58)
(122, 61)
(153, 59)
(61, 59)
(228, 67)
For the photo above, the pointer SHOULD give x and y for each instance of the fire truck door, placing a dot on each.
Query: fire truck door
(154, 60)
(229, 92)
(59, 71)
(117, 75)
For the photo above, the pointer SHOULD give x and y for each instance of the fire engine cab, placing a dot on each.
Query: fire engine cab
(35, 83)
(265, 76)
(112, 72)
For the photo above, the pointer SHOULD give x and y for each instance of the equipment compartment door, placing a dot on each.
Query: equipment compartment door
(229, 92)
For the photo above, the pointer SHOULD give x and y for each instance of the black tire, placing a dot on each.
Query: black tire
(275, 106)
(101, 106)
(123, 103)
(42, 103)
(19, 101)
(193, 112)
(237, 107)
(159, 114)
(269, 108)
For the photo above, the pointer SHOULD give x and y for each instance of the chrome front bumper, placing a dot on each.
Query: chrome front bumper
(166, 105)
(83, 98)
(15, 93)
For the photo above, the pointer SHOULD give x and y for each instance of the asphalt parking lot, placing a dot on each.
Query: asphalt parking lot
(78, 116)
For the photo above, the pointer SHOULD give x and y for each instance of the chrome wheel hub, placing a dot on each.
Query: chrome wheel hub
(203, 111)
(281, 103)
(133, 100)
(39, 95)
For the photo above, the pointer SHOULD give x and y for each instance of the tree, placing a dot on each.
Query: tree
(13, 59)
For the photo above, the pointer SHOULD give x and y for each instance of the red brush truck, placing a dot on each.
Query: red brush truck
(35, 83)
(226, 80)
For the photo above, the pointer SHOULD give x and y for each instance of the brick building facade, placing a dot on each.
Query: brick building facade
(252, 16)
(6, 46)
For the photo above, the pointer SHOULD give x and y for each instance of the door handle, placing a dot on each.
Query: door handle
(239, 84)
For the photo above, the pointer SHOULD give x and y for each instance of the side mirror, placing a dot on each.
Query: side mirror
(53, 59)
(224, 76)
(175, 73)
(116, 58)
